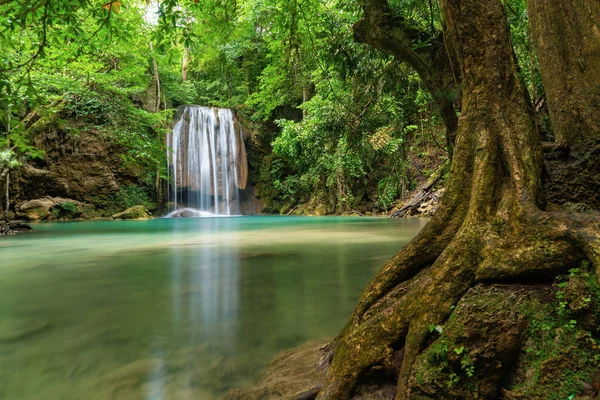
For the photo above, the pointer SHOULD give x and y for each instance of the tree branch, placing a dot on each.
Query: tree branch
(433, 63)
(378, 29)
(40, 46)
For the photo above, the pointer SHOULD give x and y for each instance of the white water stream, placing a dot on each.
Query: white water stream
(205, 153)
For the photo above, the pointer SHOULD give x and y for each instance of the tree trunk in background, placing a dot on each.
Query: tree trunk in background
(7, 187)
(156, 80)
(185, 64)
(157, 186)
(4, 185)
(567, 41)
(491, 227)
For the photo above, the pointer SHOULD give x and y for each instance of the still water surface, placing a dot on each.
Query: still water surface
(176, 308)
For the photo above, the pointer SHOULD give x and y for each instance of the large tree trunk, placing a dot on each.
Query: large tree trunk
(567, 40)
(491, 225)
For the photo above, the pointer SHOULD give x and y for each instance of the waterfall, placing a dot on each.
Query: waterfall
(207, 161)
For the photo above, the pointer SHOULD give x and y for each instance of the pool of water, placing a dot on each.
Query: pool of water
(176, 308)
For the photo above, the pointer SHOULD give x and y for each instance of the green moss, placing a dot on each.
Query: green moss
(562, 351)
(130, 196)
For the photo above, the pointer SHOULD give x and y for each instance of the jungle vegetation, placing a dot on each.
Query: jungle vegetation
(333, 121)
(338, 94)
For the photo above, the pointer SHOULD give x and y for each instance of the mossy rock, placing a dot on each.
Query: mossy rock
(135, 212)
(478, 344)
(38, 213)
(53, 208)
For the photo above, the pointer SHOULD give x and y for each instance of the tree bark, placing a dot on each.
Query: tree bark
(185, 64)
(491, 225)
(434, 63)
(567, 40)
(156, 80)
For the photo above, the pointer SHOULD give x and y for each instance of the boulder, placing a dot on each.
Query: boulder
(52, 208)
(19, 226)
(13, 227)
(135, 212)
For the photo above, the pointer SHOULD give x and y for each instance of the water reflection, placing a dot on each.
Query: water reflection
(178, 309)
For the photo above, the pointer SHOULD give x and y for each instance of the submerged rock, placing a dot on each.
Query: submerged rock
(12, 330)
(135, 212)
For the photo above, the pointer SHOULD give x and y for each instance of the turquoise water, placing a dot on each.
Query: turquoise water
(176, 308)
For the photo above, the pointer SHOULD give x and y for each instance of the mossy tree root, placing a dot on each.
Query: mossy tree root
(394, 330)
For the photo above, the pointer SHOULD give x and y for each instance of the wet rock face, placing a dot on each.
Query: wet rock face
(53, 208)
(86, 167)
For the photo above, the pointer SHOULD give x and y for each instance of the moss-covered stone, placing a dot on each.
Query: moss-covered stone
(477, 346)
(53, 208)
(560, 356)
(135, 212)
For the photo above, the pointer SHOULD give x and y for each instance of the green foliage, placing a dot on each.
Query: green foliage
(69, 207)
(9, 159)
(132, 195)
(562, 350)
(66, 209)
(340, 118)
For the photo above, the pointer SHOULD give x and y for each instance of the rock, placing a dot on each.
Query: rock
(170, 205)
(12, 330)
(19, 226)
(52, 208)
(37, 209)
(12, 227)
(135, 212)
(4, 230)
(86, 167)
(189, 213)
(292, 374)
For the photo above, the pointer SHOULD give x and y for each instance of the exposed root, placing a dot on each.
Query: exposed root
(401, 318)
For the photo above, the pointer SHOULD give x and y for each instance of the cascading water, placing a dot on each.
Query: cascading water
(207, 162)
